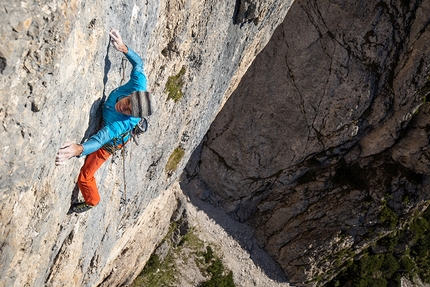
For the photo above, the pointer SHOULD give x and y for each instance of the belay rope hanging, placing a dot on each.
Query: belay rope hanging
(112, 148)
(123, 66)
(141, 127)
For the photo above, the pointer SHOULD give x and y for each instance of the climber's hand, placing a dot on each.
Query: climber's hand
(116, 41)
(68, 150)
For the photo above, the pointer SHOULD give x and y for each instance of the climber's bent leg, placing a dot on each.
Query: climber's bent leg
(87, 181)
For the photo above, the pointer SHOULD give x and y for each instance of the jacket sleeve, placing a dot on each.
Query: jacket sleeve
(106, 134)
(135, 61)
(137, 80)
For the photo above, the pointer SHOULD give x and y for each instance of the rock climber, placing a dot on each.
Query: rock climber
(122, 112)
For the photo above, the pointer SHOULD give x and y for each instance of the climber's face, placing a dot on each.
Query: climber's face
(123, 106)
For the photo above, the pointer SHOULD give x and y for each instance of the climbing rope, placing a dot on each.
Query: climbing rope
(123, 175)
(123, 67)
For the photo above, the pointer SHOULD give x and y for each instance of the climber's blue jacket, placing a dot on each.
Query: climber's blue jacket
(115, 123)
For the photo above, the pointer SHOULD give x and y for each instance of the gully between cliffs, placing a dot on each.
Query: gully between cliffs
(326, 135)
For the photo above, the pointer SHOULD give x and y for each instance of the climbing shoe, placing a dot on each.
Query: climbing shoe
(80, 207)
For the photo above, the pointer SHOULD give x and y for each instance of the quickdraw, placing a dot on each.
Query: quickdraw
(123, 66)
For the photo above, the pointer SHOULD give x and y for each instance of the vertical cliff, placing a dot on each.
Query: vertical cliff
(56, 69)
(323, 147)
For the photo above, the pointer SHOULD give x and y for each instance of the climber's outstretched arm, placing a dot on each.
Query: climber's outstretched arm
(134, 58)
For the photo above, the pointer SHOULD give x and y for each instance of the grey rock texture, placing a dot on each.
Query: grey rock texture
(56, 69)
(324, 148)
(417, 283)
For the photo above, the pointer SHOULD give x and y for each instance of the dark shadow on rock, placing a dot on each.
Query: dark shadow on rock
(95, 119)
(199, 196)
(108, 64)
(75, 194)
(73, 198)
(236, 12)
(3, 64)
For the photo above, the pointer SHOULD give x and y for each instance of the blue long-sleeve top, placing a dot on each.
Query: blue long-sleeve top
(115, 123)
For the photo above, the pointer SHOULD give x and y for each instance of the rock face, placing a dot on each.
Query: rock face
(406, 283)
(56, 69)
(323, 148)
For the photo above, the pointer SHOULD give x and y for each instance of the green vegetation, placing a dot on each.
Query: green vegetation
(174, 159)
(157, 273)
(213, 266)
(424, 92)
(420, 251)
(190, 250)
(174, 86)
(341, 255)
(191, 240)
(381, 270)
(387, 215)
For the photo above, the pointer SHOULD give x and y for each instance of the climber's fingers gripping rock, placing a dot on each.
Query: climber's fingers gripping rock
(67, 151)
(116, 41)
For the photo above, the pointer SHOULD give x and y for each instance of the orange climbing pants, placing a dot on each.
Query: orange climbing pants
(87, 181)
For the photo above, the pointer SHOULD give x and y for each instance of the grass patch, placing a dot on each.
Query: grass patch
(197, 256)
(388, 216)
(174, 86)
(191, 241)
(174, 159)
(157, 273)
(420, 251)
(211, 265)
